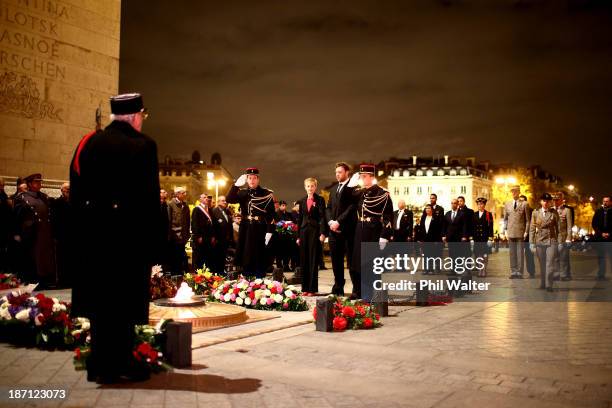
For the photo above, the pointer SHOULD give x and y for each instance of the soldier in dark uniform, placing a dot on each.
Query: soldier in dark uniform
(34, 233)
(374, 224)
(483, 233)
(115, 197)
(6, 222)
(257, 225)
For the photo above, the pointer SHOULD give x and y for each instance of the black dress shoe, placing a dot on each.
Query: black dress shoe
(512, 277)
(108, 379)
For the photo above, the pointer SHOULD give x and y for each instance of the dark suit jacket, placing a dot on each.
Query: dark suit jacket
(202, 226)
(406, 224)
(315, 217)
(455, 229)
(438, 212)
(435, 230)
(598, 222)
(469, 220)
(224, 229)
(483, 226)
(341, 208)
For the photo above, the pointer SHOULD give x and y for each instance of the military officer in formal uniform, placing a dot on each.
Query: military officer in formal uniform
(374, 224)
(566, 222)
(483, 233)
(543, 238)
(34, 233)
(516, 228)
(114, 184)
(257, 225)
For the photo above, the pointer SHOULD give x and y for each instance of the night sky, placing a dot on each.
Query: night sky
(294, 86)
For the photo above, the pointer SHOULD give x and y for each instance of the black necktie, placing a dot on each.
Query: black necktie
(515, 204)
(339, 188)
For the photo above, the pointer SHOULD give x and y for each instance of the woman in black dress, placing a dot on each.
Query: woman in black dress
(312, 227)
(430, 237)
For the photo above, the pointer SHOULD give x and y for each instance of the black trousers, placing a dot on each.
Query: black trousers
(218, 255)
(604, 251)
(112, 343)
(310, 248)
(177, 258)
(339, 246)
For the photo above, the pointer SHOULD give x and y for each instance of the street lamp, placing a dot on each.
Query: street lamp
(570, 187)
(212, 182)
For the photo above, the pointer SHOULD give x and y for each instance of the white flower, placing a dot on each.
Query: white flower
(263, 301)
(85, 325)
(33, 300)
(288, 293)
(247, 301)
(278, 298)
(55, 300)
(217, 295)
(258, 281)
(291, 287)
(62, 307)
(257, 294)
(56, 308)
(5, 314)
(74, 332)
(242, 294)
(4, 299)
(239, 301)
(24, 315)
(227, 297)
(156, 271)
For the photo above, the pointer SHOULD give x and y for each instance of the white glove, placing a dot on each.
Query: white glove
(354, 181)
(382, 243)
(241, 181)
(334, 225)
(268, 236)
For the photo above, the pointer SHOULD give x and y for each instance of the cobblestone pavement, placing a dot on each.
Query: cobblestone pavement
(466, 354)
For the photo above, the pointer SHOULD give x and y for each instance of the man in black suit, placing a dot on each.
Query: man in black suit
(602, 225)
(203, 235)
(403, 222)
(455, 230)
(341, 218)
(469, 215)
(114, 192)
(224, 232)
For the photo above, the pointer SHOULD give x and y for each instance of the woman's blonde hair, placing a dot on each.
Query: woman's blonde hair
(311, 180)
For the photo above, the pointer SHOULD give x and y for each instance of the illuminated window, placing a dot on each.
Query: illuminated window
(406, 190)
(419, 172)
(396, 191)
(463, 189)
(440, 172)
(419, 190)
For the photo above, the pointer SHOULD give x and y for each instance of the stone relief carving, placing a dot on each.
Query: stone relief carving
(19, 95)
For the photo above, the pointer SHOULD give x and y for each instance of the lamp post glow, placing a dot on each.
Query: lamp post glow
(212, 182)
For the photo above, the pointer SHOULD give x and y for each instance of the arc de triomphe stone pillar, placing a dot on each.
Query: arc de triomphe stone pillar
(59, 62)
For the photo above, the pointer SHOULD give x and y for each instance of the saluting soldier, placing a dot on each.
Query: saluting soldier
(114, 183)
(34, 233)
(543, 238)
(374, 224)
(566, 222)
(483, 233)
(257, 225)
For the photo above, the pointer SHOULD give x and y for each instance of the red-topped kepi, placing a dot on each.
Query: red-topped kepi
(252, 170)
(367, 168)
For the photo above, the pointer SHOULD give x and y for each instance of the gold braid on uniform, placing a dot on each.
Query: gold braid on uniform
(259, 203)
(370, 203)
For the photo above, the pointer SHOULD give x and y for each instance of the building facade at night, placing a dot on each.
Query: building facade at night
(195, 175)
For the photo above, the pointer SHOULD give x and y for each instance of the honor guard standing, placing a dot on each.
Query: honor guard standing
(566, 222)
(114, 183)
(516, 228)
(257, 209)
(374, 224)
(33, 222)
(543, 238)
(483, 233)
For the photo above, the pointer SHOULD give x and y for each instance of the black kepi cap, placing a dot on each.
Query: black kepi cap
(367, 168)
(481, 200)
(546, 197)
(126, 104)
(33, 177)
(252, 170)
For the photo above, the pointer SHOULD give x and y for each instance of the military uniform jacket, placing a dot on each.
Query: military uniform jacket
(544, 227)
(566, 222)
(257, 210)
(516, 220)
(374, 213)
(179, 221)
(483, 226)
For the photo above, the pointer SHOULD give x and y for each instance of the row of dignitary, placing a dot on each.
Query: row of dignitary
(34, 233)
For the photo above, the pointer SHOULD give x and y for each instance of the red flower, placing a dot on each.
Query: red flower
(348, 311)
(367, 323)
(198, 279)
(340, 323)
(314, 313)
(236, 291)
(252, 295)
(77, 353)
